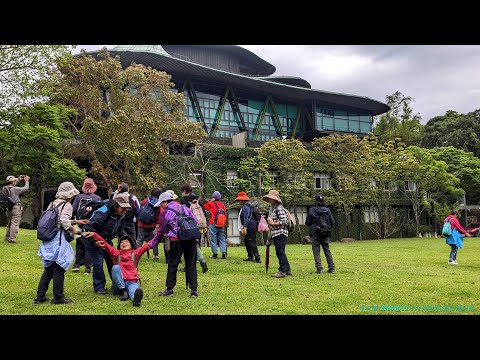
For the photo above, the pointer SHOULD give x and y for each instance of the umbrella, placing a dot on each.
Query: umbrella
(267, 255)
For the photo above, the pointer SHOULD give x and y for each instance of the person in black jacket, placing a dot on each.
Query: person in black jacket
(106, 221)
(321, 238)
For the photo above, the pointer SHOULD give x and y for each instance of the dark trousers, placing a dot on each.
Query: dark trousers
(251, 243)
(325, 244)
(81, 256)
(189, 251)
(98, 255)
(280, 242)
(57, 273)
(145, 234)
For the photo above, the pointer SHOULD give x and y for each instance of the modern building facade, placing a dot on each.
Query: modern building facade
(231, 91)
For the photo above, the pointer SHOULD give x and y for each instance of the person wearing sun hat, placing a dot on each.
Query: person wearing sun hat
(14, 215)
(57, 254)
(248, 226)
(278, 221)
(81, 256)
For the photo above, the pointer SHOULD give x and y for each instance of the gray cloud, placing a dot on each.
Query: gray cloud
(438, 77)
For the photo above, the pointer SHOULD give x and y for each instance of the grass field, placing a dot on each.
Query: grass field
(394, 276)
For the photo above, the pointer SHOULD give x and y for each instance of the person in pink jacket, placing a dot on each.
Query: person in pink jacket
(125, 279)
(455, 240)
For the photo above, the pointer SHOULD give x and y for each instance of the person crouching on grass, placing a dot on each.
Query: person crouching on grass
(125, 279)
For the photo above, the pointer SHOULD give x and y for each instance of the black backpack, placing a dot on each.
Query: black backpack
(47, 227)
(187, 226)
(147, 211)
(5, 202)
(87, 208)
(323, 227)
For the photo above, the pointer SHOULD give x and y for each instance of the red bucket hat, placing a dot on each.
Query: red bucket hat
(242, 196)
(89, 186)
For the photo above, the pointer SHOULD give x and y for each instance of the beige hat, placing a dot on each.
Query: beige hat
(273, 194)
(174, 196)
(122, 200)
(66, 190)
(11, 178)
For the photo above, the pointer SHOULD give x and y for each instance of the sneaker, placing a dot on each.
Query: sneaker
(61, 302)
(88, 271)
(248, 259)
(124, 296)
(194, 294)
(39, 300)
(137, 297)
(214, 256)
(166, 292)
(279, 275)
(156, 258)
(331, 271)
(100, 292)
(224, 255)
(289, 273)
(76, 268)
(319, 272)
(258, 260)
(453, 262)
(204, 267)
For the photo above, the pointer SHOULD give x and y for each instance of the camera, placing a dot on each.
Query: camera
(21, 177)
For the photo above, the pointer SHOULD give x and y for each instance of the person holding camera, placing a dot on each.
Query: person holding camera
(14, 215)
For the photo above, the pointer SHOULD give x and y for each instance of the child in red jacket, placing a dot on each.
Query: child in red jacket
(125, 279)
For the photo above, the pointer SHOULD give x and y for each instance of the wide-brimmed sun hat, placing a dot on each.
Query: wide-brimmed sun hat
(66, 190)
(89, 186)
(242, 196)
(273, 194)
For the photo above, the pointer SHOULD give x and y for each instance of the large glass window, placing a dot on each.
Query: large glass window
(232, 176)
(371, 215)
(321, 181)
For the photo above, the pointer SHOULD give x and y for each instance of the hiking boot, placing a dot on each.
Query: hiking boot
(39, 300)
(156, 258)
(137, 297)
(61, 302)
(289, 273)
(204, 267)
(76, 268)
(166, 292)
(194, 294)
(224, 255)
(331, 271)
(248, 259)
(88, 271)
(124, 295)
(319, 271)
(214, 256)
(257, 260)
(100, 292)
(279, 275)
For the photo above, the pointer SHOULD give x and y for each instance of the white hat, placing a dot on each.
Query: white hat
(66, 190)
(165, 196)
(11, 178)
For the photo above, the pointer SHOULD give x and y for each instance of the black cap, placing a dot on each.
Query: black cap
(319, 198)
(126, 237)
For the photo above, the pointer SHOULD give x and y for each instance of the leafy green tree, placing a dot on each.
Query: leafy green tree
(400, 122)
(32, 144)
(22, 68)
(126, 119)
(462, 131)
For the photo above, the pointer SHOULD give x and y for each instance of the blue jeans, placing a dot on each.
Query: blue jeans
(217, 234)
(453, 253)
(98, 255)
(118, 283)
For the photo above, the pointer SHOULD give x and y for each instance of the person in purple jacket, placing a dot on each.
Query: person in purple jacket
(168, 226)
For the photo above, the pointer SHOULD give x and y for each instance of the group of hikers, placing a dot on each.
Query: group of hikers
(162, 217)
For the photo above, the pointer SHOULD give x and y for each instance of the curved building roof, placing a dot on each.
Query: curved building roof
(289, 80)
(156, 57)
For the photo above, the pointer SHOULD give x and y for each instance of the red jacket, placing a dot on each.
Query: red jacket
(129, 270)
(210, 207)
(455, 223)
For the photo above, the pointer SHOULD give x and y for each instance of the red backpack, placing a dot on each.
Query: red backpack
(220, 216)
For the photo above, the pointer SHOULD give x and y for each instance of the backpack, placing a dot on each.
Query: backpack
(187, 226)
(47, 227)
(5, 202)
(291, 221)
(197, 210)
(447, 228)
(147, 212)
(220, 216)
(323, 227)
(135, 262)
(88, 207)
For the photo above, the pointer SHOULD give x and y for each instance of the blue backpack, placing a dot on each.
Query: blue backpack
(447, 228)
(47, 227)
(187, 226)
(147, 212)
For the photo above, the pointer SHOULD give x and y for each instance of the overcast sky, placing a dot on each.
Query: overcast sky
(438, 77)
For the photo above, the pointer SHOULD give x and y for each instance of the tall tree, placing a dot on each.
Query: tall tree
(400, 122)
(22, 67)
(126, 118)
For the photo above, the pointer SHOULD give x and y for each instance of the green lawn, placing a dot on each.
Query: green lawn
(409, 274)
